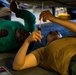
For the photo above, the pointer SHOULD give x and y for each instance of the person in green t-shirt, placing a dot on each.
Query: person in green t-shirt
(15, 32)
(29, 18)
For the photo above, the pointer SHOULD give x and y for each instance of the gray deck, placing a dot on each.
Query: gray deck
(5, 59)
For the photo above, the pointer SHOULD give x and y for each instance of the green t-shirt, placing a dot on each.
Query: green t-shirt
(9, 42)
(29, 20)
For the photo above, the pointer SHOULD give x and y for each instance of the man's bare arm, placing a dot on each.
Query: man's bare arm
(23, 61)
(46, 15)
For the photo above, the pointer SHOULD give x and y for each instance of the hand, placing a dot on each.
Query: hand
(3, 33)
(35, 36)
(46, 15)
(13, 6)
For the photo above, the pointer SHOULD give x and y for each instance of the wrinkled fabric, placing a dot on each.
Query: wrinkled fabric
(29, 20)
(57, 55)
(9, 42)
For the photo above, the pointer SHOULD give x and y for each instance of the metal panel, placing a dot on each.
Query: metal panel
(65, 3)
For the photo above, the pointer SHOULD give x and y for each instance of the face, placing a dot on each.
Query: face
(21, 35)
(54, 35)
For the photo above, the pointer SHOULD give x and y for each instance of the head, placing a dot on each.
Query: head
(5, 13)
(52, 36)
(21, 35)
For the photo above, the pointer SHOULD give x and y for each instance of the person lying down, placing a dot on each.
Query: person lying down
(59, 53)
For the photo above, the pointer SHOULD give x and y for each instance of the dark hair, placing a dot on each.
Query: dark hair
(51, 33)
(21, 35)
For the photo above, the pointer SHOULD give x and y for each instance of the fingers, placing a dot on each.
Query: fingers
(37, 36)
(43, 14)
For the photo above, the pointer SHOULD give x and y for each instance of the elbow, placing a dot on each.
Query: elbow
(17, 67)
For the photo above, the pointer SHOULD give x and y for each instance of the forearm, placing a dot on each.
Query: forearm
(22, 60)
(21, 55)
(66, 23)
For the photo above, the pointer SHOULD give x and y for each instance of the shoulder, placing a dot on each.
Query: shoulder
(38, 52)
